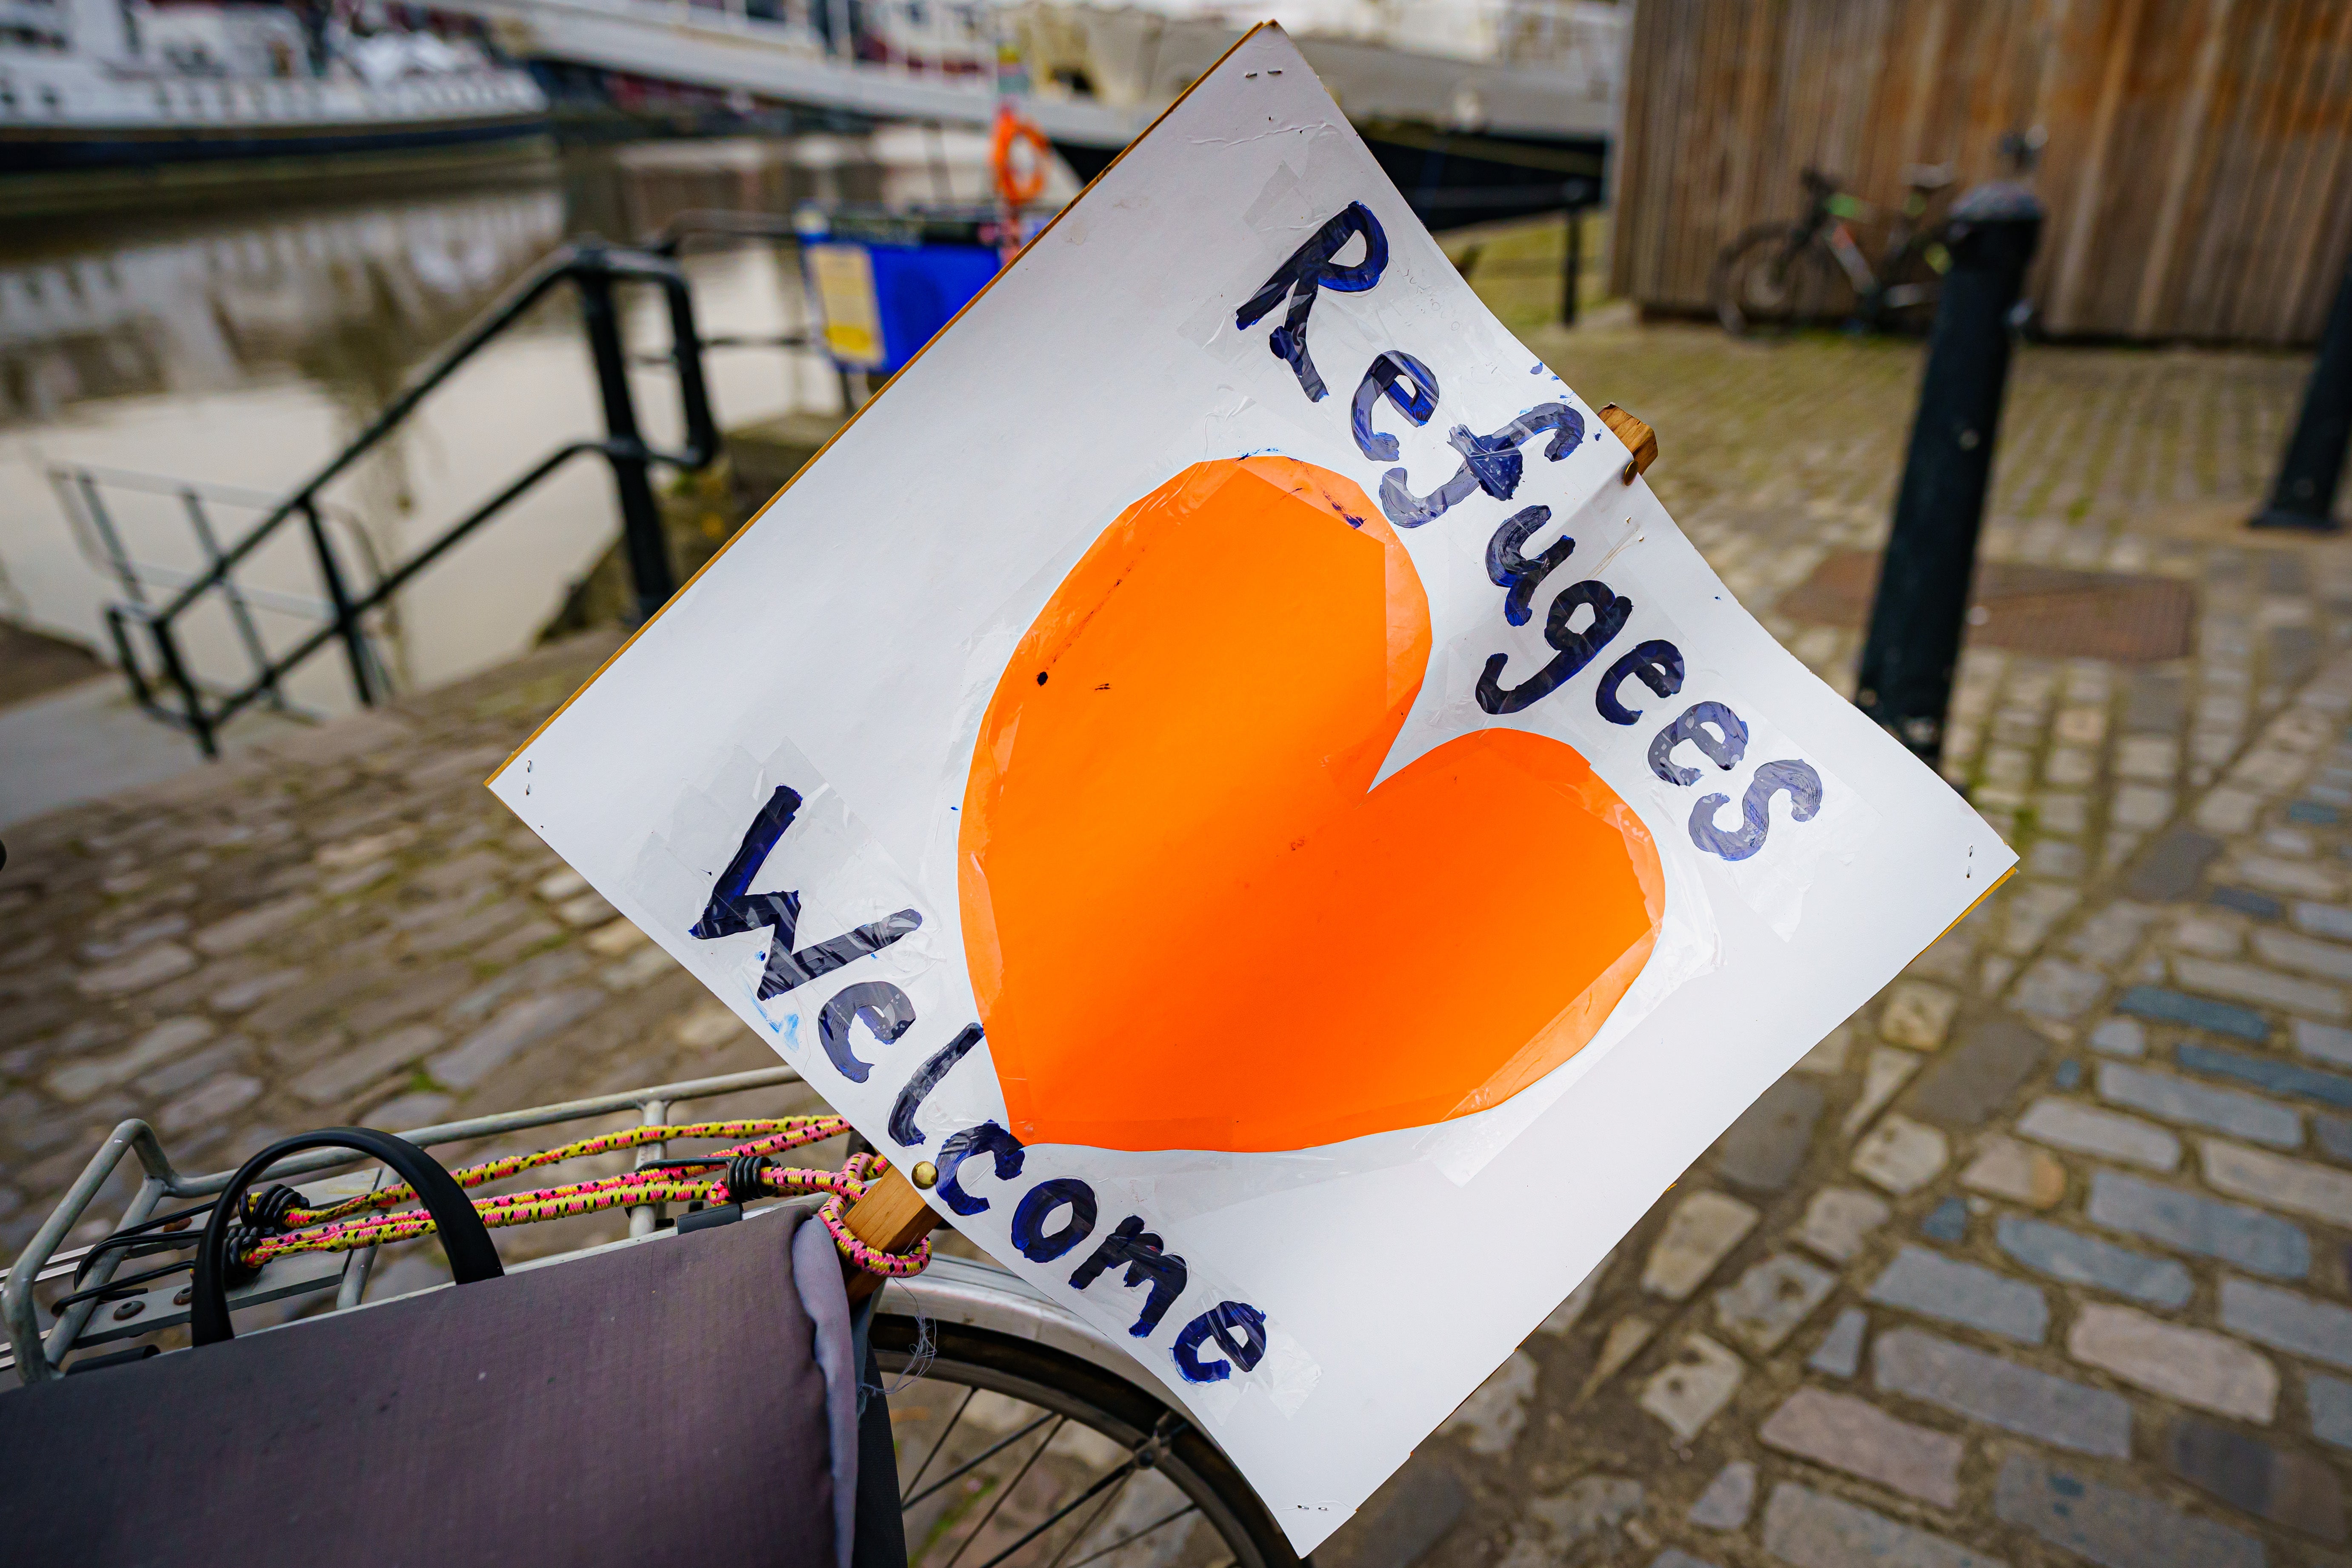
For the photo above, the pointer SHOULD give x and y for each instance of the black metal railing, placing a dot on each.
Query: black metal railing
(167, 688)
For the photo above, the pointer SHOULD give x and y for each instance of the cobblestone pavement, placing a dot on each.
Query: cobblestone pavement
(2041, 1258)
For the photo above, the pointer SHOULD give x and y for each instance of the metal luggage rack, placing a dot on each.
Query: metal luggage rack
(35, 1355)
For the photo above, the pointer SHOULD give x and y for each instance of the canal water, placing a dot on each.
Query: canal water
(232, 352)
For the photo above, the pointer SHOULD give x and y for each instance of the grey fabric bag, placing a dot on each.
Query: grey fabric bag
(659, 1401)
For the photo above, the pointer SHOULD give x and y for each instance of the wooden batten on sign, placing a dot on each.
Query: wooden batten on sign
(892, 1216)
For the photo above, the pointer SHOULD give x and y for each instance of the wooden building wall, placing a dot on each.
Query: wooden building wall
(2197, 174)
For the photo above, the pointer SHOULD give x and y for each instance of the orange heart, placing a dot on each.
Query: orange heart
(1190, 920)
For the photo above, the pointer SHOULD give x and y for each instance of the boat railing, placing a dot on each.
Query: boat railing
(157, 601)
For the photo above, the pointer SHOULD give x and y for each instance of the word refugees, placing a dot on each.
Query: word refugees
(1584, 619)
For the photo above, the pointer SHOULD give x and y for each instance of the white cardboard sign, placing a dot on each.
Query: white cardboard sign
(1218, 758)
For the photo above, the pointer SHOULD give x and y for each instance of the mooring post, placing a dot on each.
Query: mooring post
(641, 526)
(2312, 469)
(1572, 268)
(1923, 584)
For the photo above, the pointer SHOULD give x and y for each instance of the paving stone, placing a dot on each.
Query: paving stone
(2087, 1130)
(1948, 1223)
(2276, 1181)
(407, 1113)
(2293, 877)
(173, 1077)
(1917, 1014)
(1492, 1418)
(1702, 1229)
(1730, 1497)
(2120, 1037)
(2111, 934)
(2194, 1223)
(2331, 921)
(2057, 990)
(2255, 1477)
(2214, 939)
(1827, 1058)
(1856, 1436)
(1619, 1346)
(2333, 1134)
(2079, 1259)
(79, 1080)
(1901, 1155)
(1688, 1393)
(2143, 806)
(525, 1024)
(1589, 1507)
(1840, 1352)
(2166, 1007)
(346, 1072)
(149, 966)
(2180, 1099)
(1887, 1071)
(2005, 1168)
(2326, 960)
(2112, 1527)
(1999, 1393)
(2326, 1041)
(1765, 1147)
(559, 885)
(1765, 1305)
(2246, 901)
(2269, 1072)
(1402, 1522)
(1838, 1220)
(1807, 1529)
(1994, 1058)
(1676, 1557)
(2329, 1400)
(2191, 1366)
(242, 931)
(2170, 867)
(2287, 1321)
(208, 1102)
(1935, 1286)
(241, 994)
(613, 938)
(2247, 983)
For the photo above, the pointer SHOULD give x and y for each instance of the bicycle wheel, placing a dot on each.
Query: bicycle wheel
(1012, 1454)
(1914, 285)
(1774, 277)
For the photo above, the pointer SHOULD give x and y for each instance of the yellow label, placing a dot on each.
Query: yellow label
(845, 293)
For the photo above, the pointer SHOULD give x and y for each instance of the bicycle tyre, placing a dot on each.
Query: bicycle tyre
(1123, 1411)
(1774, 277)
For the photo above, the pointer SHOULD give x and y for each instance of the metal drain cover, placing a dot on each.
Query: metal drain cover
(2041, 610)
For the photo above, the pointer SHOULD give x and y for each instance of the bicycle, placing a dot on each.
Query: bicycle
(1025, 1437)
(1788, 277)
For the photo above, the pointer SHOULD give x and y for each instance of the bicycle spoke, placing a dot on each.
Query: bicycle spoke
(1101, 1508)
(1110, 1478)
(1011, 1487)
(906, 1497)
(975, 1462)
(1131, 1540)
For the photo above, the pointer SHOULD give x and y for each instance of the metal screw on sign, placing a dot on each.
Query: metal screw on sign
(1923, 585)
(2313, 469)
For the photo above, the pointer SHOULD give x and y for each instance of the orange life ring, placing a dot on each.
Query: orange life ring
(1012, 187)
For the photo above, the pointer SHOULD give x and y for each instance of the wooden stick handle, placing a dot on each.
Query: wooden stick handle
(1639, 438)
(892, 1216)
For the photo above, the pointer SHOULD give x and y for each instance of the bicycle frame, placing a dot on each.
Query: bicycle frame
(952, 1289)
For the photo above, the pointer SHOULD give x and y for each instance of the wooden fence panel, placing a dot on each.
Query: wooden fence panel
(2197, 171)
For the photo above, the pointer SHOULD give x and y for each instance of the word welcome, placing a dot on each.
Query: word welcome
(1054, 1217)
(1585, 617)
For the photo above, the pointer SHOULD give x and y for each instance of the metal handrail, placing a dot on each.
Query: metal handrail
(594, 268)
(37, 1358)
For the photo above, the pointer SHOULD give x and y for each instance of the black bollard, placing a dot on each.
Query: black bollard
(2312, 469)
(1923, 585)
